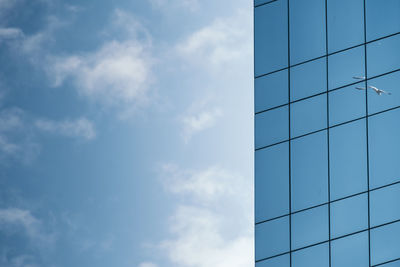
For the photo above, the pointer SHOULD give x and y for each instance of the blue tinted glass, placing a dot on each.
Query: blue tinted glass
(385, 243)
(307, 30)
(308, 79)
(348, 160)
(385, 205)
(344, 66)
(281, 261)
(390, 84)
(316, 256)
(272, 182)
(392, 264)
(270, 37)
(382, 18)
(271, 90)
(272, 238)
(384, 148)
(308, 115)
(351, 251)
(309, 164)
(346, 104)
(260, 2)
(349, 215)
(272, 126)
(310, 227)
(345, 24)
(383, 56)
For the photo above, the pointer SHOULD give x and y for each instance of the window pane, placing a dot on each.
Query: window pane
(272, 238)
(389, 83)
(308, 79)
(383, 56)
(272, 182)
(259, 2)
(281, 261)
(385, 205)
(309, 163)
(271, 91)
(272, 126)
(310, 227)
(317, 256)
(382, 18)
(270, 37)
(307, 30)
(349, 215)
(348, 160)
(344, 66)
(345, 24)
(308, 115)
(392, 264)
(384, 151)
(351, 251)
(385, 243)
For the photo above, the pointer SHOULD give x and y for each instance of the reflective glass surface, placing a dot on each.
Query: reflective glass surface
(310, 227)
(308, 79)
(385, 205)
(307, 30)
(385, 243)
(309, 165)
(390, 84)
(392, 264)
(384, 148)
(271, 127)
(351, 251)
(382, 18)
(272, 182)
(345, 24)
(349, 215)
(316, 256)
(383, 56)
(272, 238)
(348, 159)
(260, 2)
(271, 91)
(270, 37)
(281, 261)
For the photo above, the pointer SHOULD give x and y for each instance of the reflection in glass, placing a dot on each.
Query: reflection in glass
(385, 243)
(281, 261)
(309, 165)
(349, 215)
(391, 264)
(272, 182)
(351, 251)
(382, 18)
(308, 79)
(385, 205)
(384, 148)
(348, 160)
(307, 30)
(271, 90)
(383, 56)
(310, 227)
(272, 238)
(316, 256)
(389, 83)
(270, 37)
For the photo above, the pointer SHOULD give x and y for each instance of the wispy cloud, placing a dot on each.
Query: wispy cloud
(10, 33)
(147, 264)
(79, 128)
(194, 123)
(191, 5)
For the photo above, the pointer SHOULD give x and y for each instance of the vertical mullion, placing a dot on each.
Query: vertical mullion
(290, 149)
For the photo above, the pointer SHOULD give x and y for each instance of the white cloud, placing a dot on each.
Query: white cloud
(10, 33)
(194, 123)
(191, 5)
(10, 121)
(82, 127)
(147, 264)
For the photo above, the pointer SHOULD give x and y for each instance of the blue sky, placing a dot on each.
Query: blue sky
(126, 133)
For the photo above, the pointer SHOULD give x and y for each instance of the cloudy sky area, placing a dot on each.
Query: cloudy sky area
(126, 133)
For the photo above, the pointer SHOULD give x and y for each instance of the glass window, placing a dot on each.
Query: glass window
(343, 66)
(348, 160)
(382, 18)
(349, 215)
(260, 2)
(281, 261)
(385, 205)
(307, 30)
(309, 165)
(345, 24)
(272, 182)
(385, 243)
(308, 115)
(346, 104)
(384, 148)
(271, 90)
(389, 83)
(310, 227)
(316, 256)
(272, 127)
(351, 251)
(270, 37)
(308, 79)
(272, 238)
(383, 56)
(391, 264)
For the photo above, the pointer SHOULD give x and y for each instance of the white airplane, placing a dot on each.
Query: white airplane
(378, 91)
(360, 88)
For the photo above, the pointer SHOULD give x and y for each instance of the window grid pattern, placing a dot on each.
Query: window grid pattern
(280, 259)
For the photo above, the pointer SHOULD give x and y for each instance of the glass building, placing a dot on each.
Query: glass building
(327, 145)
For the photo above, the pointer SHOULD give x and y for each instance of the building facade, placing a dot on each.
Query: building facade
(327, 133)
